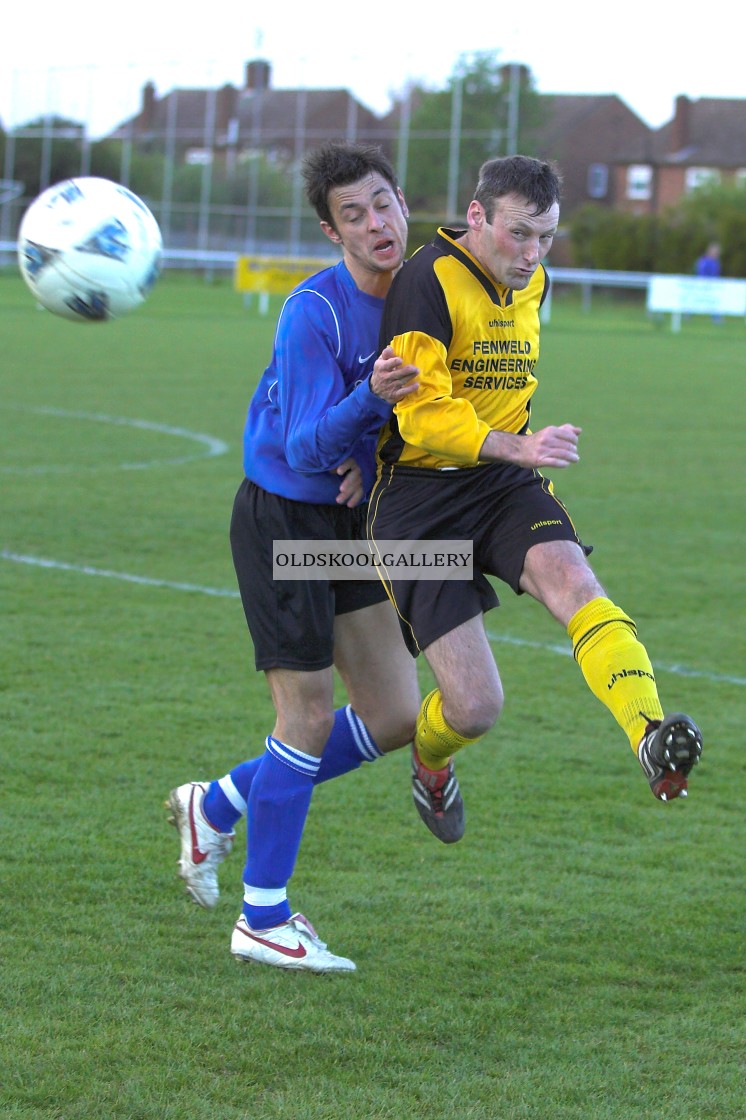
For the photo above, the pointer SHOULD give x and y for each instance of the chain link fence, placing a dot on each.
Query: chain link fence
(220, 166)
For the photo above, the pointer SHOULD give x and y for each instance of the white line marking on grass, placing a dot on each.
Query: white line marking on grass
(212, 445)
(565, 651)
(125, 577)
(226, 593)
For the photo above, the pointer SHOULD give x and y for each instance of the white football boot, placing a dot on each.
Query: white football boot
(202, 846)
(294, 944)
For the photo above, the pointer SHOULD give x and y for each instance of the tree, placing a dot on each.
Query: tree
(669, 242)
(45, 151)
(608, 239)
(484, 111)
(718, 213)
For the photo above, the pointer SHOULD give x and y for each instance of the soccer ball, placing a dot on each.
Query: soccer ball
(89, 249)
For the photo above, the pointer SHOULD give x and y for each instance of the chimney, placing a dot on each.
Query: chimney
(514, 71)
(147, 110)
(680, 127)
(226, 106)
(258, 74)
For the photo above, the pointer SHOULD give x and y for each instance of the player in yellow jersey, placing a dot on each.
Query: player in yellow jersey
(459, 461)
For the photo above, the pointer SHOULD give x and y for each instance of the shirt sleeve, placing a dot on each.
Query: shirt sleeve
(321, 420)
(431, 418)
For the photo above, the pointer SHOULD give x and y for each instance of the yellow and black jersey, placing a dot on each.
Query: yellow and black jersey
(476, 344)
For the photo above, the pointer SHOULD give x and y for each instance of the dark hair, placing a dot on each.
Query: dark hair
(337, 164)
(540, 183)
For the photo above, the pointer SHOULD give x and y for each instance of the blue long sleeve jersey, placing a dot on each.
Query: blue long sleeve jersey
(314, 407)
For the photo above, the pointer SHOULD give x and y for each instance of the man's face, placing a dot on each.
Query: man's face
(513, 244)
(370, 223)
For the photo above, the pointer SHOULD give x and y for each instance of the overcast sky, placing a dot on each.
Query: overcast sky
(88, 61)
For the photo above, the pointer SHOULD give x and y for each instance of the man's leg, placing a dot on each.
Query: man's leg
(380, 678)
(373, 663)
(349, 744)
(379, 675)
(462, 708)
(268, 931)
(281, 790)
(614, 663)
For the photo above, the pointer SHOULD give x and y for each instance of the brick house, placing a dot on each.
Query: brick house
(587, 135)
(205, 124)
(607, 154)
(704, 142)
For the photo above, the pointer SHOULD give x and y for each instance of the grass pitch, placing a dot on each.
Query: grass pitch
(579, 956)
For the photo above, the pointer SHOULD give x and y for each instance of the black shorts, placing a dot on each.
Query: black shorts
(292, 621)
(501, 508)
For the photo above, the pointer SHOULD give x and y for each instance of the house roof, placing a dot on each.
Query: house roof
(707, 132)
(571, 127)
(279, 113)
(616, 132)
(321, 111)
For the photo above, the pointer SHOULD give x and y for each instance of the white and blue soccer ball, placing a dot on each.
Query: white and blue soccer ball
(89, 249)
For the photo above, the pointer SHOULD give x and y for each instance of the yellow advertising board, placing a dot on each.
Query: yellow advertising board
(275, 275)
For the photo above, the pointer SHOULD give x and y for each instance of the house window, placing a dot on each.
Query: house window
(701, 177)
(598, 180)
(740, 177)
(640, 181)
(199, 156)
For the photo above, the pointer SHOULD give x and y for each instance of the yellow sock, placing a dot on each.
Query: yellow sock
(615, 665)
(434, 739)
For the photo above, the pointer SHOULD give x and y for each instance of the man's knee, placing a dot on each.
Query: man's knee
(305, 726)
(473, 714)
(558, 575)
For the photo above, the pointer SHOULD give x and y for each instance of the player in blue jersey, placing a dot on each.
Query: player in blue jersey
(309, 461)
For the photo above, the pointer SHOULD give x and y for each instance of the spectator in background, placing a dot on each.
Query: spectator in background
(708, 267)
(708, 264)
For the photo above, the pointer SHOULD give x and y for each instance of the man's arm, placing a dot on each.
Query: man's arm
(321, 419)
(549, 447)
(433, 419)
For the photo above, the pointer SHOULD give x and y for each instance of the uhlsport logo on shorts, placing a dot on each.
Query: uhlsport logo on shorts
(355, 560)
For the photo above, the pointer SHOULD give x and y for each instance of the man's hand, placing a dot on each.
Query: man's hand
(549, 447)
(391, 379)
(553, 447)
(351, 491)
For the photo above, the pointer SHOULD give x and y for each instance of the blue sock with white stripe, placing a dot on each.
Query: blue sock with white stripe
(349, 744)
(278, 805)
